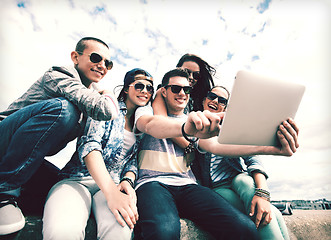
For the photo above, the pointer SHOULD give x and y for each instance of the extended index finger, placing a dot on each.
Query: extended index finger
(205, 122)
(214, 119)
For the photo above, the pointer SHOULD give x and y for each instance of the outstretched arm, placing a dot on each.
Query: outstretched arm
(160, 108)
(198, 124)
(287, 135)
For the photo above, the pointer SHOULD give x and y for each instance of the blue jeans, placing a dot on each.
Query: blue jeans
(161, 206)
(244, 186)
(30, 134)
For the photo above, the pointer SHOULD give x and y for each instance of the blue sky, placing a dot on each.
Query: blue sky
(284, 39)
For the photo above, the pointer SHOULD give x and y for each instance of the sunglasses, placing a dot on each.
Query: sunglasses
(196, 75)
(96, 58)
(140, 87)
(176, 89)
(221, 100)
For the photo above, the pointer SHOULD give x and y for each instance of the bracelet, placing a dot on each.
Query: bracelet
(261, 190)
(262, 196)
(262, 193)
(186, 137)
(190, 148)
(128, 180)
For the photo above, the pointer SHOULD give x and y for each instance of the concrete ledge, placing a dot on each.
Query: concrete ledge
(309, 224)
(33, 228)
(303, 224)
(190, 231)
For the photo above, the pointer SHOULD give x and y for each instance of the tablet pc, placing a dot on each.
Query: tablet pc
(257, 106)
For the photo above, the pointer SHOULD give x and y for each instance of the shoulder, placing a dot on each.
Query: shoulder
(141, 111)
(146, 110)
(69, 71)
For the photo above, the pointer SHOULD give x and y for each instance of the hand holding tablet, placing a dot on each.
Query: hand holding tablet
(257, 106)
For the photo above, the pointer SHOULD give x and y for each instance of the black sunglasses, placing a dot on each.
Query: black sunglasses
(176, 88)
(195, 75)
(96, 58)
(221, 100)
(141, 86)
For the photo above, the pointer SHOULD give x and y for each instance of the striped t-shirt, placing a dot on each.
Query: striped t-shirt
(220, 170)
(162, 160)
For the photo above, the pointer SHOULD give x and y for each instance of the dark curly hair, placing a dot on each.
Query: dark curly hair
(204, 84)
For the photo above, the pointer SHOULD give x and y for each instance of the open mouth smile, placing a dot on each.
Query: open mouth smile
(213, 106)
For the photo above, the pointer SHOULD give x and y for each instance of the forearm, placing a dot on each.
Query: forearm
(160, 126)
(260, 180)
(160, 108)
(96, 166)
(211, 145)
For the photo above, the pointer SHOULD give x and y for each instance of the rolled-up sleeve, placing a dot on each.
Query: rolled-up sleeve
(254, 164)
(92, 138)
(131, 166)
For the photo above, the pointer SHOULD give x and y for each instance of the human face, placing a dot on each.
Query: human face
(176, 102)
(213, 105)
(89, 71)
(138, 97)
(194, 70)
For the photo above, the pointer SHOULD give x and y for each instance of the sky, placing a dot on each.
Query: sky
(285, 39)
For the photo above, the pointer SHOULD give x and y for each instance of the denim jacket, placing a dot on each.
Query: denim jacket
(66, 82)
(106, 137)
(201, 166)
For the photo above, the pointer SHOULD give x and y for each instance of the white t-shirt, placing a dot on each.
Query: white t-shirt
(128, 141)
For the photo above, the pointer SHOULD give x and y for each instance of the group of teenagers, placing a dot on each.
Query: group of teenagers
(143, 160)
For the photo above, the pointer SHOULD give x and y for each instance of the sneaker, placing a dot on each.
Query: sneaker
(11, 217)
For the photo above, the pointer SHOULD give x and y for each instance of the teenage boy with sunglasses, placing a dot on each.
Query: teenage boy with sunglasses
(46, 117)
(166, 187)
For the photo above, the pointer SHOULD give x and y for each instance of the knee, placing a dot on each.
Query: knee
(70, 113)
(243, 183)
(63, 231)
(116, 231)
(244, 179)
(65, 112)
(243, 229)
(248, 230)
(167, 230)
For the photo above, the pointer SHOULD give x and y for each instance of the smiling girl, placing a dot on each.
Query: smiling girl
(101, 174)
